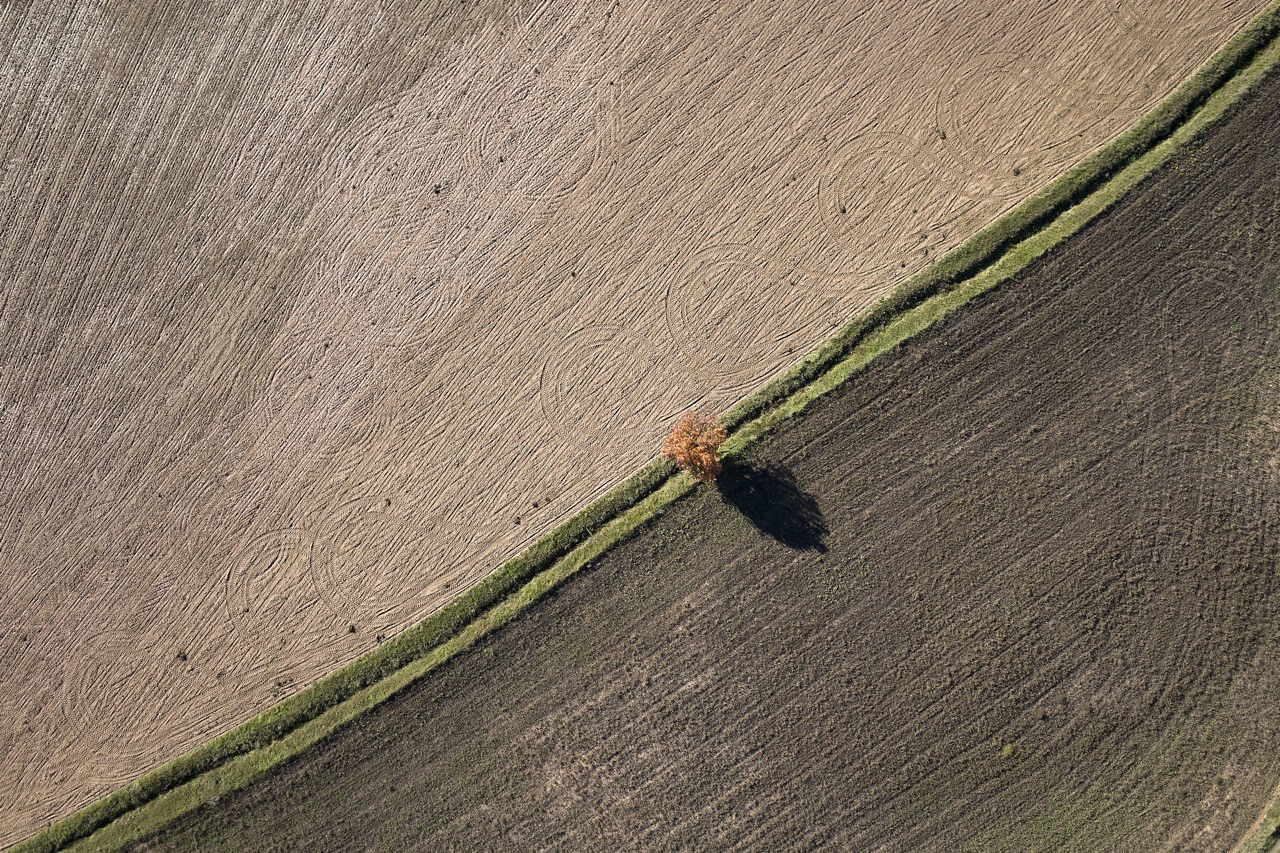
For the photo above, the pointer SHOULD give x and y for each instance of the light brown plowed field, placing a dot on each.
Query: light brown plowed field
(314, 312)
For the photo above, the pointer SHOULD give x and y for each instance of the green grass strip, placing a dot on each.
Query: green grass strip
(1265, 835)
(991, 257)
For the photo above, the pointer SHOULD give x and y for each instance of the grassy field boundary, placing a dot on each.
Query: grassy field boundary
(991, 257)
(1264, 835)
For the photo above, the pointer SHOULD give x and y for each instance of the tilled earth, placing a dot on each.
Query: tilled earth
(1012, 589)
(314, 313)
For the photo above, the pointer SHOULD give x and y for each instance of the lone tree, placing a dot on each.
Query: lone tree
(694, 443)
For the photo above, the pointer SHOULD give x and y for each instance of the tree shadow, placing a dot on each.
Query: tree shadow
(771, 500)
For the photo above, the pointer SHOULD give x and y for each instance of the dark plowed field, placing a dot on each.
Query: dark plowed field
(1013, 589)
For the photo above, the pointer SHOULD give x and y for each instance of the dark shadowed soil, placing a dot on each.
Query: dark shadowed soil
(1013, 589)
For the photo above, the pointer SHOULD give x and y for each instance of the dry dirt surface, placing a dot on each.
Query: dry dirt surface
(1012, 589)
(313, 313)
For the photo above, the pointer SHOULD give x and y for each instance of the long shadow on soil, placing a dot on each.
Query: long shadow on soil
(771, 500)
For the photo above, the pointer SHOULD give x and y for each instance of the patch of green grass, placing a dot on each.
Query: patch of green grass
(841, 582)
(981, 263)
(1265, 837)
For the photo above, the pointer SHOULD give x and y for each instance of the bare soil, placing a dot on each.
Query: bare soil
(313, 313)
(1012, 589)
